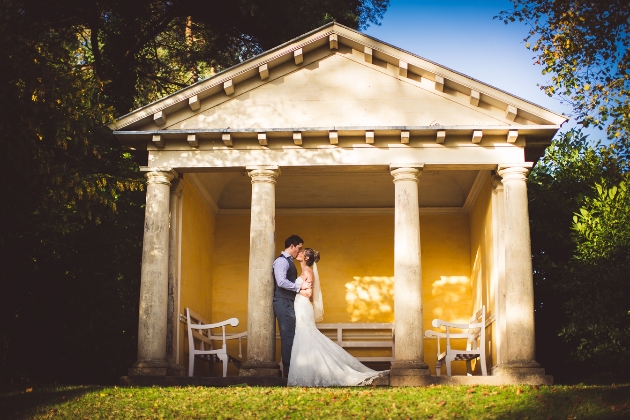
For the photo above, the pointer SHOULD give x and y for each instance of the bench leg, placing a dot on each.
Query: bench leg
(448, 366)
(224, 359)
(469, 368)
(191, 364)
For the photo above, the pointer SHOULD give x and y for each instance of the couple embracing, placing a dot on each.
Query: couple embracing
(308, 356)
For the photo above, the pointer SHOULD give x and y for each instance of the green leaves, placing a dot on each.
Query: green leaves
(578, 222)
(583, 45)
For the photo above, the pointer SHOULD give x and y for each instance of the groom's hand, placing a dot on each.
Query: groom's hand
(306, 285)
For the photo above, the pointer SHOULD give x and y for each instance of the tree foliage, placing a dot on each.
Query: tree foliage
(583, 46)
(72, 221)
(576, 191)
(145, 49)
(601, 265)
(580, 257)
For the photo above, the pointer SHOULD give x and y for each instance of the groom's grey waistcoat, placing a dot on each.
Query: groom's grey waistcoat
(279, 292)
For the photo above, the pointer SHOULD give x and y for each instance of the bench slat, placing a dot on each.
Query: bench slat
(366, 344)
(375, 359)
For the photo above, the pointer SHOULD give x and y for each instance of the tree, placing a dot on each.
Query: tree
(568, 292)
(583, 45)
(71, 226)
(145, 49)
(580, 291)
(601, 334)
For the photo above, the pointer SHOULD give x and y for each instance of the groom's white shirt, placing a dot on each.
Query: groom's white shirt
(280, 268)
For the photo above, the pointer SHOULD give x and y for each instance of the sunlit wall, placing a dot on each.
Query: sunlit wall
(483, 273)
(197, 261)
(356, 267)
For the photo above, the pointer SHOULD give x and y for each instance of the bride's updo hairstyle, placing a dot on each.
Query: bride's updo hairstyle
(311, 255)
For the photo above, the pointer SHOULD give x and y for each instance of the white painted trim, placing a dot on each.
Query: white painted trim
(203, 192)
(480, 181)
(355, 211)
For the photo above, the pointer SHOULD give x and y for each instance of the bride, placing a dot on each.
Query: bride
(315, 359)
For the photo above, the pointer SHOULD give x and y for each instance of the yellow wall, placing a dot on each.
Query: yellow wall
(197, 261)
(482, 263)
(356, 267)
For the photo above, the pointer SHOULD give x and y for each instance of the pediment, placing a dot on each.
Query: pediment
(334, 91)
(337, 80)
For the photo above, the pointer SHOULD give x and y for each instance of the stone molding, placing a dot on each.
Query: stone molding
(406, 174)
(497, 184)
(514, 171)
(159, 177)
(263, 175)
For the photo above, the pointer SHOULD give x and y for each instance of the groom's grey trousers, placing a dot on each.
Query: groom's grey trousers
(285, 313)
(284, 276)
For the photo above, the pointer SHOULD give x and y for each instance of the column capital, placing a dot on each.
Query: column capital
(405, 173)
(514, 171)
(177, 187)
(267, 173)
(159, 177)
(497, 184)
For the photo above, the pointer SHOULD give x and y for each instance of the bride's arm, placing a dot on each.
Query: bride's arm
(308, 277)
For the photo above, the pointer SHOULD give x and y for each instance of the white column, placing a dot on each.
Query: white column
(154, 277)
(409, 365)
(172, 336)
(498, 229)
(261, 325)
(520, 343)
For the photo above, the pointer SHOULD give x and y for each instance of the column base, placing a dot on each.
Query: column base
(149, 368)
(521, 370)
(176, 370)
(409, 373)
(260, 370)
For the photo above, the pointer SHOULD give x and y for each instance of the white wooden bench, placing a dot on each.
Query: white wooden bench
(199, 331)
(361, 336)
(475, 334)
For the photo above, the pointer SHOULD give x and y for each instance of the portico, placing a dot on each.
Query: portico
(408, 177)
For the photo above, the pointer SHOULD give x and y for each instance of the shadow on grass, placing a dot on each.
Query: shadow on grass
(24, 405)
(589, 402)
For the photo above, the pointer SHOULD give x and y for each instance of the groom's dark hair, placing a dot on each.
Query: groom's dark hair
(293, 240)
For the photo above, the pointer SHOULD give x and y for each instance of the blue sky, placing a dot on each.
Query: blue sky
(463, 36)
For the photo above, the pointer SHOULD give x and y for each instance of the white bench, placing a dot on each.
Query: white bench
(361, 335)
(199, 331)
(475, 334)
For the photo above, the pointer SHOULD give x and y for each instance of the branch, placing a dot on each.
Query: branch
(97, 53)
(164, 80)
(152, 32)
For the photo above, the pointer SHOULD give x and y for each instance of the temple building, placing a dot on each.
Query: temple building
(408, 177)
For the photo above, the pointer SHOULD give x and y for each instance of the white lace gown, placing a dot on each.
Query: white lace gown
(318, 361)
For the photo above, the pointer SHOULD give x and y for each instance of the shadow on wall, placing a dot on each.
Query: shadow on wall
(452, 294)
(370, 299)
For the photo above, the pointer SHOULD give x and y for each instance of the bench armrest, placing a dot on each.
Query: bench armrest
(232, 321)
(437, 323)
(434, 334)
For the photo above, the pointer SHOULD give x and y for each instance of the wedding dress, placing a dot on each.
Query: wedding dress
(318, 361)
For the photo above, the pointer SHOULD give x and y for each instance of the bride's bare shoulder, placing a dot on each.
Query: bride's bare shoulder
(308, 271)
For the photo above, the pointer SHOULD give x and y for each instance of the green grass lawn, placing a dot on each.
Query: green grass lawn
(436, 402)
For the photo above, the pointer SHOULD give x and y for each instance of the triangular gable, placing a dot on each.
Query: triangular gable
(337, 91)
(335, 77)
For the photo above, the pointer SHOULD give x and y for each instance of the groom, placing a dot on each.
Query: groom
(285, 274)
